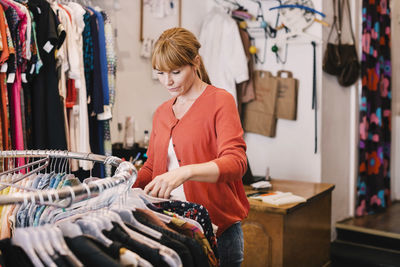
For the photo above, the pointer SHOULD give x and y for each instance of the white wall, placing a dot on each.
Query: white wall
(395, 156)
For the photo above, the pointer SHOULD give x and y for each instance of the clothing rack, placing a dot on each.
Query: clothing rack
(115, 161)
(125, 173)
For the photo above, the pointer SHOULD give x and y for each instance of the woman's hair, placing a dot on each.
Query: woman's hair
(177, 47)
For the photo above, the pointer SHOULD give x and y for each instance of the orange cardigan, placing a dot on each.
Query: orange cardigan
(209, 131)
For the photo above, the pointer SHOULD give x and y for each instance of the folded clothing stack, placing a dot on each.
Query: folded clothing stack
(278, 198)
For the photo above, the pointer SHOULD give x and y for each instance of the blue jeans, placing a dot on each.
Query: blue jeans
(231, 246)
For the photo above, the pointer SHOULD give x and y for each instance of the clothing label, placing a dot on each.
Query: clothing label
(38, 10)
(130, 141)
(4, 67)
(75, 110)
(78, 84)
(23, 78)
(32, 69)
(48, 47)
(11, 78)
(106, 115)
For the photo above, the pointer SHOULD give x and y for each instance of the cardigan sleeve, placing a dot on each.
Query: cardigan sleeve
(231, 160)
(146, 172)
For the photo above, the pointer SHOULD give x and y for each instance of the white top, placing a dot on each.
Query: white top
(222, 51)
(81, 127)
(178, 193)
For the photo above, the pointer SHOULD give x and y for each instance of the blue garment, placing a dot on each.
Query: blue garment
(37, 180)
(53, 184)
(44, 181)
(37, 215)
(231, 246)
(30, 218)
(103, 56)
(57, 180)
(21, 215)
(23, 210)
(52, 180)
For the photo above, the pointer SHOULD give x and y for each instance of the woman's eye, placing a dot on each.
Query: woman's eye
(160, 72)
(176, 72)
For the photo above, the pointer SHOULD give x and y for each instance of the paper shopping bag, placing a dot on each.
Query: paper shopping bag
(286, 106)
(259, 114)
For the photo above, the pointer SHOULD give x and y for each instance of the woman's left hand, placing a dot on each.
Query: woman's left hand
(162, 185)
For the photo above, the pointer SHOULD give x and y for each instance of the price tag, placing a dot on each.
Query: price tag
(11, 78)
(32, 69)
(4, 67)
(106, 115)
(23, 78)
(48, 47)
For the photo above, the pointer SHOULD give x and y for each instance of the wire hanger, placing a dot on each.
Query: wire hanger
(37, 162)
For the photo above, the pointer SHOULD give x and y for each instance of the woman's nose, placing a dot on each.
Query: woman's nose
(170, 81)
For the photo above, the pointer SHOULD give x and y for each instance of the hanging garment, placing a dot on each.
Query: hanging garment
(79, 124)
(222, 51)
(373, 182)
(196, 212)
(148, 218)
(48, 119)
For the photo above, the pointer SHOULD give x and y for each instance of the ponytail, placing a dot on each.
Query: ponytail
(202, 72)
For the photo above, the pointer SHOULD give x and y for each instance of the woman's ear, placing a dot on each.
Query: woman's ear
(197, 62)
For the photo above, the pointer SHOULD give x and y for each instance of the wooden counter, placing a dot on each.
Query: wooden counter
(293, 234)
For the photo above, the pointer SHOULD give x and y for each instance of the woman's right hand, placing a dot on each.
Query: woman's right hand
(162, 185)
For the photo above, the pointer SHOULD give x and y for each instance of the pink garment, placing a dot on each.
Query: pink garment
(17, 120)
(22, 25)
(17, 87)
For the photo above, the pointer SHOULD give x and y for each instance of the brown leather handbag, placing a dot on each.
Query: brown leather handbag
(340, 59)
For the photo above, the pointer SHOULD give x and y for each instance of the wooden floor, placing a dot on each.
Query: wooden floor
(384, 224)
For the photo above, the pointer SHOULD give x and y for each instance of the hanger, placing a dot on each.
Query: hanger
(37, 162)
(90, 228)
(307, 8)
(58, 243)
(292, 37)
(88, 221)
(149, 200)
(296, 19)
(70, 229)
(38, 247)
(75, 210)
(127, 217)
(169, 255)
(22, 239)
(45, 240)
(136, 197)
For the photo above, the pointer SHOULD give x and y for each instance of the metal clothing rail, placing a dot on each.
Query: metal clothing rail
(61, 154)
(125, 173)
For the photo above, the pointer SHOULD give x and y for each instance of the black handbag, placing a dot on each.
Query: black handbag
(340, 59)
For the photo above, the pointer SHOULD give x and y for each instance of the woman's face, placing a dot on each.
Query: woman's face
(179, 81)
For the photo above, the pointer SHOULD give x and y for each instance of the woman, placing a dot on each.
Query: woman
(197, 141)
